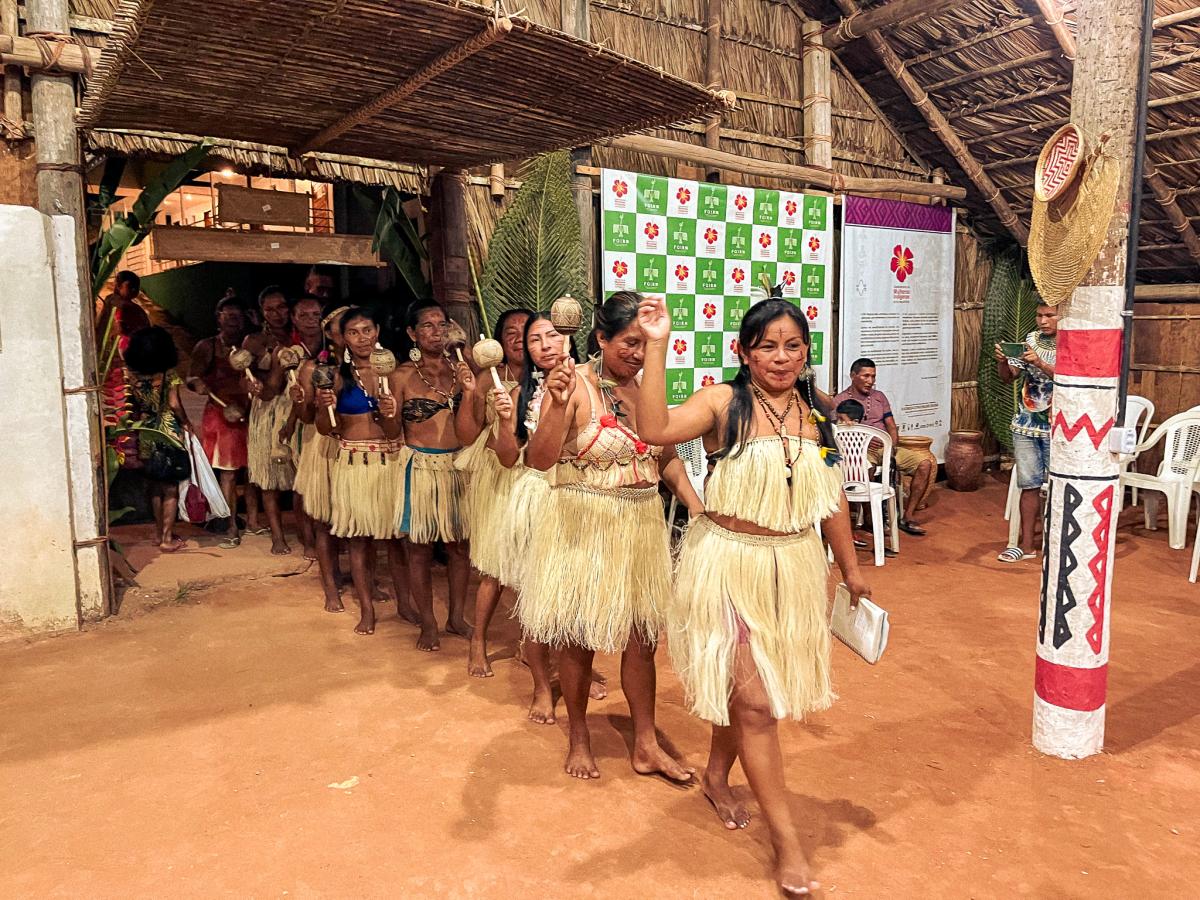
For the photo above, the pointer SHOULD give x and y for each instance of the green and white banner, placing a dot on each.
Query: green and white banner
(703, 246)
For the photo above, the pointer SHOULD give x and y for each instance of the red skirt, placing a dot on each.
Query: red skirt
(224, 442)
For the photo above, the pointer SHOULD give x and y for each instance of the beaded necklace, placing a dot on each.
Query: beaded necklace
(778, 422)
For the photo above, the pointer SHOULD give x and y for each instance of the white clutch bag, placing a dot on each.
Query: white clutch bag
(863, 629)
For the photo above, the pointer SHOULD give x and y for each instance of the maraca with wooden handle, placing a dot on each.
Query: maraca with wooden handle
(383, 363)
(488, 354)
(243, 361)
(290, 359)
(566, 315)
(323, 380)
(456, 339)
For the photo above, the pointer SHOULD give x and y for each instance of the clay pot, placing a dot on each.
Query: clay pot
(964, 460)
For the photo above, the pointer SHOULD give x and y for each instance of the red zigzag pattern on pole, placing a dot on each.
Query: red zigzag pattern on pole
(1083, 422)
(1098, 565)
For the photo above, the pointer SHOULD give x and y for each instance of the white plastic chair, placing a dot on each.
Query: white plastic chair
(1012, 509)
(1177, 477)
(853, 441)
(1139, 412)
(1195, 553)
(691, 454)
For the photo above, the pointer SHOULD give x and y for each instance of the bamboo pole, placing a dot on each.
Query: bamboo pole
(577, 20)
(1165, 198)
(889, 15)
(496, 181)
(495, 30)
(1081, 516)
(941, 128)
(1052, 13)
(818, 103)
(22, 51)
(976, 74)
(808, 175)
(1151, 293)
(1175, 18)
(713, 76)
(14, 118)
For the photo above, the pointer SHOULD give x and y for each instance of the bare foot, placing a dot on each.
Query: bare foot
(732, 814)
(598, 689)
(654, 760)
(793, 874)
(459, 627)
(310, 554)
(478, 665)
(408, 613)
(541, 709)
(335, 606)
(428, 639)
(280, 547)
(580, 762)
(366, 625)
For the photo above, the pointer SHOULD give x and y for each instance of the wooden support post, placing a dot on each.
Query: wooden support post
(714, 77)
(888, 15)
(496, 181)
(943, 130)
(451, 265)
(14, 118)
(1084, 492)
(576, 20)
(818, 104)
(1165, 198)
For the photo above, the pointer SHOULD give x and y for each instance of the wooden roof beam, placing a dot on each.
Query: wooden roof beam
(952, 49)
(941, 128)
(1165, 198)
(22, 51)
(496, 29)
(1052, 15)
(898, 12)
(1176, 18)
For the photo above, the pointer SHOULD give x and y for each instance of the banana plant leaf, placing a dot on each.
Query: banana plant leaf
(536, 253)
(397, 239)
(1009, 314)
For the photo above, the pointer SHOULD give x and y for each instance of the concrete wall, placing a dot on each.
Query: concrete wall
(40, 584)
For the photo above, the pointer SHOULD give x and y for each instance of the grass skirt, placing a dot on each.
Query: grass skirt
(431, 505)
(272, 464)
(365, 483)
(516, 519)
(486, 505)
(599, 567)
(314, 472)
(773, 591)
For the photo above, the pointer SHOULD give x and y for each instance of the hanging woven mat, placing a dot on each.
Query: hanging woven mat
(1067, 230)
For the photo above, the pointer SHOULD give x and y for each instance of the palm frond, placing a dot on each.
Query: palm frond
(536, 253)
(1009, 313)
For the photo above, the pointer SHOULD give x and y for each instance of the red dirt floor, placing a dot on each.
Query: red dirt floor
(224, 736)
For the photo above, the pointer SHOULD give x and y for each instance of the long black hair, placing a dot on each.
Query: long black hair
(528, 383)
(151, 351)
(347, 364)
(612, 317)
(498, 331)
(739, 419)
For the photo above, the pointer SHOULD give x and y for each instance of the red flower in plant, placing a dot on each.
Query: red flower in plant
(738, 276)
(764, 240)
(790, 207)
(709, 310)
(608, 420)
(707, 381)
(683, 195)
(789, 277)
(710, 235)
(620, 188)
(740, 201)
(620, 268)
(681, 272)
(651, 230)
(814, 243)
(902, 262)
(811, 312)
(680, 345)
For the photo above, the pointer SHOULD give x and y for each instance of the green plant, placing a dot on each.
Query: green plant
(397, 238)
(536, 253)
(1009, 314)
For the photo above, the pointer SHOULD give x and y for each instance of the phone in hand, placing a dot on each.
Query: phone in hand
(1013, 349)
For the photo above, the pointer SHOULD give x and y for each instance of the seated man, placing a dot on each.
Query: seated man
(877, 412)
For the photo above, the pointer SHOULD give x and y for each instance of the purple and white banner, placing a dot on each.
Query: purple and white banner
(897, 308)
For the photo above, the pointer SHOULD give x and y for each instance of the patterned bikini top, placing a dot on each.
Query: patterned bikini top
(608, 453)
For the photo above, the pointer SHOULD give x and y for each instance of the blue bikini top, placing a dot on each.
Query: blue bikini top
(354, 401)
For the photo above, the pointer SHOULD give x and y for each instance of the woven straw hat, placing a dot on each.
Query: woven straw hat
(1074, 191)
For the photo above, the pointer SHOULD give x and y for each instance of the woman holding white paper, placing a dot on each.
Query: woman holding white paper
(747, 628)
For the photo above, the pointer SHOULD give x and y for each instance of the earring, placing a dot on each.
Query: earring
(415, 354)
(807, 374)
(346, 355)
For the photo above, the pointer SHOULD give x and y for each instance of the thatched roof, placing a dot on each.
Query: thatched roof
(996, 71)
(287, 74)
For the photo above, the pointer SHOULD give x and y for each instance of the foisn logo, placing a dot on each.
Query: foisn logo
(680, 346)
(741, 201)
(707, 381)
(620, 268)
(811, 312)
(620, 187)
(738, 275)
(814, 243)
(791, 208)
(651, 230)
(711, 236)
(683, 195)
(789, 277)
(682, 272)
(709, 310)
(764, 240)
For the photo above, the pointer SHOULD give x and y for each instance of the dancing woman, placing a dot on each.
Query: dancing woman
(431, 503)
(475, 424)
(365, 474)
(747, 628)
(600, 577)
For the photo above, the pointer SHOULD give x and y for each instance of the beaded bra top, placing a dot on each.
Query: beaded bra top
(608, 453)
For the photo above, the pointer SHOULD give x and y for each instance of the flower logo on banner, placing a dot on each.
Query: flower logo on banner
(707, 381)
(680, 345)
(764, 240)
(651, 230)
(811, 312)
(681, 272)
(709, 310)
(740, 201)
(683, 195)
(620, 188)
(620, 268)
(790, 207)
(733, 347)
(710, 235)
(789, 277)
(738, 276)
(902, 262)
(814, 243)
